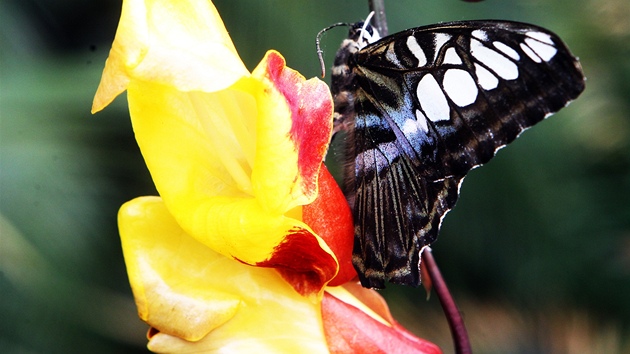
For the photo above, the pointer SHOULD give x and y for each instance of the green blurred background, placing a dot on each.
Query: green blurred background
(537, 252)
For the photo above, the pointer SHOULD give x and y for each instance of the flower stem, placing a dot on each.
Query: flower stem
(453, 316)
(379, 20)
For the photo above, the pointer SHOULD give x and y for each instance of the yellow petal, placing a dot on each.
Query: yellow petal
(234, 156)
(201, 301)
(201, 168)
(202, 150)
(167, 271)
(180, 43)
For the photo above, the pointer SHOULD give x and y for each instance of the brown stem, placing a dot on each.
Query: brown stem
(453, 316)
(379, 20)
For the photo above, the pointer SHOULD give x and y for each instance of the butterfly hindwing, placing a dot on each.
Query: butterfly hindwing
(392, 202)
(428, 105)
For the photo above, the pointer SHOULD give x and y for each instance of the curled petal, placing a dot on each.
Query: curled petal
(288, 160)
(353, 327)
(201, 301)
(181, 43)
(292, 145)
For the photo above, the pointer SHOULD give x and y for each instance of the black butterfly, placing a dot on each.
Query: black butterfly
(422, 108)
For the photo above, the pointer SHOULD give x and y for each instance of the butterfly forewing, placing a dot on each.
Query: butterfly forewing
(431, 103)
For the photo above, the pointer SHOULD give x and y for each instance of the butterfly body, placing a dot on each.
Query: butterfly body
(424, 106)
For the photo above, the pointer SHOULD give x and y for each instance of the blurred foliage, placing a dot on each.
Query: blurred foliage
(537, 252)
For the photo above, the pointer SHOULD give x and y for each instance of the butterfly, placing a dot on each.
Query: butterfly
(421, 108)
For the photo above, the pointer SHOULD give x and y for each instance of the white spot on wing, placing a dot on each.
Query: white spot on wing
(410, 127)
(494, 60)
(507, 50)
(460, 87)
(421, 121)
(530, 53)
(480, 34)
(544, 50)
(543, 37)
(416, 50)
(432, 99)
(451, 57)
(487, 80)
(438, 41)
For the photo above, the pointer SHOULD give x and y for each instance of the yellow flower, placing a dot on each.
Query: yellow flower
(249, 229)
(201, 301)
(233, 155)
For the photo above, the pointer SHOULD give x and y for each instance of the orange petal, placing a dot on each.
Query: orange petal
(330, 217)
(350, 330)
(301, 262)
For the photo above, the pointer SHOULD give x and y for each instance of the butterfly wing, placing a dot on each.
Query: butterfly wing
(430, 104)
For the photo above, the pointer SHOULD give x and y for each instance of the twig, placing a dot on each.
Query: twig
(454, 318)
(379, 21)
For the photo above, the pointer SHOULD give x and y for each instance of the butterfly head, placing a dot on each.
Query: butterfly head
(363, 33)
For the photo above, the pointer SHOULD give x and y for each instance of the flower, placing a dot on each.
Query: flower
(223, 144)
(250, 232)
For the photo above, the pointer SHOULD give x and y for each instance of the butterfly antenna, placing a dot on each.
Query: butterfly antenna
(365, 24)
(320, 52)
